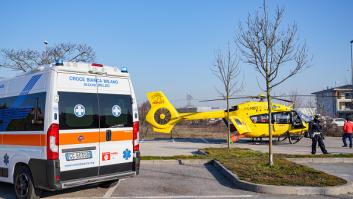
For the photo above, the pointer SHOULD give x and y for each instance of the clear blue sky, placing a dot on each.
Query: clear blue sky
(170, 45)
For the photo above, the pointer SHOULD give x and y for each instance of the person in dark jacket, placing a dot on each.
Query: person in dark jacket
(315, 130)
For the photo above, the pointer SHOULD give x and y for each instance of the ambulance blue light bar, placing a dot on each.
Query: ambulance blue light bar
(124, 69)
(59, 62)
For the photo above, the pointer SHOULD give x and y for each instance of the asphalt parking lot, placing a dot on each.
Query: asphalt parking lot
(173, 179)
(164, 179)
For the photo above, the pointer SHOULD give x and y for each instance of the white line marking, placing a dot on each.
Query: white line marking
(171, 197)
(182, 197)
(111, 190)
(203, 139)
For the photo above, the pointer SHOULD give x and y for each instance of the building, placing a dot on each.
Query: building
(335, 102)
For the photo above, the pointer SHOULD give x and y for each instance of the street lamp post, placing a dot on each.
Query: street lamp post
(46, 51)
(352, 69)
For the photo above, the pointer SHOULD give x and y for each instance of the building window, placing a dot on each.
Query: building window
(348, 95)
(349, 106)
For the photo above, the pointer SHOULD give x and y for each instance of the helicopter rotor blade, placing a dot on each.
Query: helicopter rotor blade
(240, 97)
(244, 97)
(211, 100)
(280, 99)
(277, 97)
(305, 96)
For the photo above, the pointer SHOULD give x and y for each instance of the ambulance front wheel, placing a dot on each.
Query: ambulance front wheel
(23, 184)
(109, 184)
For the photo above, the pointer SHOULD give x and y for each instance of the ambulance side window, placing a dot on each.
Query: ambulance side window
(78, 110)
(2, 107)
(22, 113)
(115, 110)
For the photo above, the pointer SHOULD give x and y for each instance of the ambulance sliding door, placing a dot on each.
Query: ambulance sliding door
(115, 108)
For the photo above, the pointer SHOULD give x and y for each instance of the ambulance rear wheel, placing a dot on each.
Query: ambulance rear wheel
(109, 184)
(23, 184)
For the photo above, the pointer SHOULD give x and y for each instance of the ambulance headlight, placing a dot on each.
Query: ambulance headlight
(124, 69)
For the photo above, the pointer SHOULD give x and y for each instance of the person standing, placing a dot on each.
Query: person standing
(347, 132)
(315, 130)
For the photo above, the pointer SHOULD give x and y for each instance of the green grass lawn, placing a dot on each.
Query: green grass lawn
(252, 166)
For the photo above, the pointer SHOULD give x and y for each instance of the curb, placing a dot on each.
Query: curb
(287, 190)
(321, 160)
(180, 162)
(202, 152)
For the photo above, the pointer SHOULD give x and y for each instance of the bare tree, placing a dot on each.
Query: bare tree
(270, 49)
(311, 105)
(27, 59)
(320, 107)
(143, 110)
(295, 98)
(227, 70)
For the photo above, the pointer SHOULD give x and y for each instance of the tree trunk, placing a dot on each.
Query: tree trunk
(228, 123)
(269, 104)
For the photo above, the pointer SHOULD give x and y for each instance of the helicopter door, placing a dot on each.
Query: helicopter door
(296, 120)
(280, 121)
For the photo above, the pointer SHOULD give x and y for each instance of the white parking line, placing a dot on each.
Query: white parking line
(168, 197)
(111, 190)
(203, 139)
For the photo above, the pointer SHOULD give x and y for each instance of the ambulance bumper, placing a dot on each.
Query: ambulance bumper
(47, 176)
(92, 180)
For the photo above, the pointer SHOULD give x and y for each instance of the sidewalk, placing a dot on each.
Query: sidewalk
(333, 145)
(189, 146)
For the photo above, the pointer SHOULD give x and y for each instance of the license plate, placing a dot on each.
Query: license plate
(80, 155)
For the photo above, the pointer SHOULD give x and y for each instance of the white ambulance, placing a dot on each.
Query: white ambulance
(66, 125)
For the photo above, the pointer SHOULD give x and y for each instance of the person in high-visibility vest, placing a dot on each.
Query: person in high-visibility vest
(348, 130)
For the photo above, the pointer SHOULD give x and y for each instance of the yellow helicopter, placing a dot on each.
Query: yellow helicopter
(248, 119)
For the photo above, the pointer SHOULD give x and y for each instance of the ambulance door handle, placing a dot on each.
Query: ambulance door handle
(108, 135)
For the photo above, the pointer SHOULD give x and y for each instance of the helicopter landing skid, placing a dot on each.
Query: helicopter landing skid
(292, 138)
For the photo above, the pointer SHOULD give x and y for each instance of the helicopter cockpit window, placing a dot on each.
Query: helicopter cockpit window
(296, 120)
(305, 117)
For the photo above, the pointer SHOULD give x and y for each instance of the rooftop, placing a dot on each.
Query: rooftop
(347, 87)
